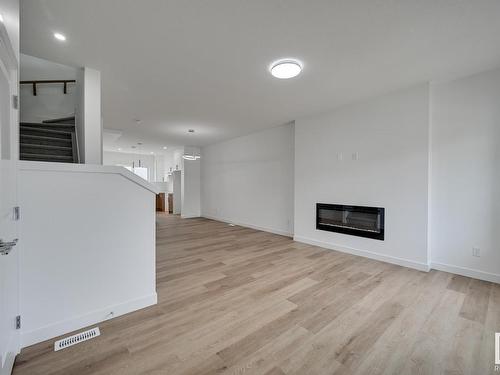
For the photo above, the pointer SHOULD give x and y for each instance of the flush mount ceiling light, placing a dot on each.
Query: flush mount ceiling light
(285, 68)
(60, 37)
(191, 157)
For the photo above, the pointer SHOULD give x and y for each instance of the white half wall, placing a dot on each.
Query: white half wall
(465, 175)
(87, 245)
(249, 180)
(372, 153)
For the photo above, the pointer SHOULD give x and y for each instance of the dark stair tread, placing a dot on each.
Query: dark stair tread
(28, 156)
(46, 151)
(64, 127)
(45, 133)
(62, 120)
(52, 147)
(40, 129)
(45, 139)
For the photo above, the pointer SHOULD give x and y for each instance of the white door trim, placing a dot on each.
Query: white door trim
(9, 65)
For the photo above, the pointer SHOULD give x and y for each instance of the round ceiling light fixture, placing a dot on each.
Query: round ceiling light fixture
(190, 157)
(286, 68)
(60, 37)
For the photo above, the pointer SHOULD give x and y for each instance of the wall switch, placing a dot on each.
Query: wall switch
(355, 156)
(476, 252)
(340, 156)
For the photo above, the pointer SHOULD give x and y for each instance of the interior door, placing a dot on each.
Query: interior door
(9, 254)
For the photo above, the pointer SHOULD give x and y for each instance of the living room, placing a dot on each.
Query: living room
(337, 198)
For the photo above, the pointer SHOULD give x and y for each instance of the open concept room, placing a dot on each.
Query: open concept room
(250, 187)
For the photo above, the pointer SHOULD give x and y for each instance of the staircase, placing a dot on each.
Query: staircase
(51, 140)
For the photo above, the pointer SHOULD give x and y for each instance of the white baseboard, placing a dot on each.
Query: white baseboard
(8, 365)
(189, 216)
(7, 359)
(469, 272)
(367, 254)
(246, 225)
(60, 328)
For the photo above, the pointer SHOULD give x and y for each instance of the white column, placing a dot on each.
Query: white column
(191, 206)
(89, 117)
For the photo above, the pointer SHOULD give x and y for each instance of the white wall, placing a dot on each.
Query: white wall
(389, 135)
(177, 159)
(170, 183)
(465, 175)
(191, 205)
(177, 192)
(50, 101)
(160, 168)
(126, 159)
(249, 180)
(163, 163)
(10, 13)
(87, 246)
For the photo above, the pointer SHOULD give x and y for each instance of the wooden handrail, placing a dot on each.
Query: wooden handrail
(63, 81)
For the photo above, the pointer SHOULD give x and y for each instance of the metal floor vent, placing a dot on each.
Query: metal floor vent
(76, 339)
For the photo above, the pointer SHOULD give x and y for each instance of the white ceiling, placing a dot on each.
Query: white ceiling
(203, 64)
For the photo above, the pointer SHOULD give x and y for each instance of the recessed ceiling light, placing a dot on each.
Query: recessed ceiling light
(60, 37)
(164, 147)
(1, 18)
(151, 152)
(286, 68)
(119, 149)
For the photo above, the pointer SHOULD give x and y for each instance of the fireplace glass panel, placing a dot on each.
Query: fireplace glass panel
(355, 220)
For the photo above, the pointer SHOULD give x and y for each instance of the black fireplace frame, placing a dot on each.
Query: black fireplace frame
(353, 231)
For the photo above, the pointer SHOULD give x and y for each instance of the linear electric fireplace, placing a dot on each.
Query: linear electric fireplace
(355, 220)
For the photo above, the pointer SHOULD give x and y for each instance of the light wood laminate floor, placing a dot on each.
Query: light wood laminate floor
(234, 300)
